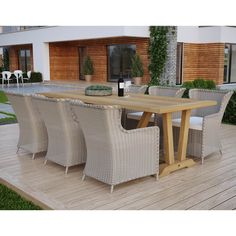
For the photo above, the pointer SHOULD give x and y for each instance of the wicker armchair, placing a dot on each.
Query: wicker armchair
(205, 123)
(158, 91)
(33, 134)
(132, 89)
(66, 145)
(116, 155)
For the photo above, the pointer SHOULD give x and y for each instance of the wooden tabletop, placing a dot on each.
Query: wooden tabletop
(139, 102)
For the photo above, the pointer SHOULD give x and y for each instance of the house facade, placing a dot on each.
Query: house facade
(58, 52)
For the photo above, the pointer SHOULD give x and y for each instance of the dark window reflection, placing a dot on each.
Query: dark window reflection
(119, 61)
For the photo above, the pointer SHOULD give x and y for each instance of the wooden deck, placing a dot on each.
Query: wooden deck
(208, 186)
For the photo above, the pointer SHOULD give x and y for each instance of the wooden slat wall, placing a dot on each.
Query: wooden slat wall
(64, 57)
(204, 60)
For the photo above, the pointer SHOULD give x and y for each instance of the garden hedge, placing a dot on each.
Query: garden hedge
(230, 112)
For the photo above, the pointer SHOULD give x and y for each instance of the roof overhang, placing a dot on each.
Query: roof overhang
(69, 33)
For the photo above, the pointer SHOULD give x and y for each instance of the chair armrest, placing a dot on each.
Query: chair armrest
(143, 143)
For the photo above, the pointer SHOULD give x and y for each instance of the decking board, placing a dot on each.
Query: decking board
(208, 186)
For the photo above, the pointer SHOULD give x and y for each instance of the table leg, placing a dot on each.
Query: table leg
(144, 120)
(168, 139)
(183, 135)
(172, 165)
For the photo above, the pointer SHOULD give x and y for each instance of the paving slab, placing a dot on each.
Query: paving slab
(6, 108)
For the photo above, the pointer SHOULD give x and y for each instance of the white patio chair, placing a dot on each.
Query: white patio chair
(66, 145)
(205, 123)
(116, 155)
(32, 131)
(19, 76)
(28, 76)
(6, 75)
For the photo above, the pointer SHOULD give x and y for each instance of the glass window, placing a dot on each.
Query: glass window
(119, 61)
(25, 60)
(179, 63)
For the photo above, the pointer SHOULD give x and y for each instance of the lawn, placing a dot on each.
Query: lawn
(10, 200)
(3, 97)
(11, 117)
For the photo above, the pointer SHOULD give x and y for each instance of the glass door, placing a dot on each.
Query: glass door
(227, 63)
(82, 55)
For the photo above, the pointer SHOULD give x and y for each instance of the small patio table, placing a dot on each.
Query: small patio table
(148, 105)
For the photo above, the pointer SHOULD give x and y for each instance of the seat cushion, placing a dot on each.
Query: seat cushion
(137, 116)
(195, 122)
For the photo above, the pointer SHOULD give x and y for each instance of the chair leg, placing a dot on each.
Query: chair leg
(67, 168)
(157, 176)
(45, 162)
(83, 177)
(18, 148)
(202, 160)
(155, 120)
(33, 156)
(112, 189)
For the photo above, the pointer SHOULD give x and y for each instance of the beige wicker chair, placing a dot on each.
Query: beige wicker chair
(116, 155)
(33, 134)
(66, 145)
(158, 91)
(132, 89)
(205, 123)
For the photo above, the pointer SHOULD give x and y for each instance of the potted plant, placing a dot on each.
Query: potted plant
(88, 69)
(137, 69)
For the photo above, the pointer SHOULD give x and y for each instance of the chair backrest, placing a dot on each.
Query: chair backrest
(222, 98)
(64, 133)
(18, 73)
(6, 75)
(166, 91)
(101, 124)
(32, 128)
(137, 88)
(29, 74)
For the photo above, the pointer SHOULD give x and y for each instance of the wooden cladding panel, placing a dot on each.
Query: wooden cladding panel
(205, 61)
(64, 56)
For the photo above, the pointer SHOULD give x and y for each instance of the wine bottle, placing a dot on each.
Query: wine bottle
(121, 86)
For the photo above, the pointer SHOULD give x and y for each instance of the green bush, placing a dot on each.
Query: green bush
(88, 66)
(210, 84)
(198, 83)
(230, 112)
(137, 67)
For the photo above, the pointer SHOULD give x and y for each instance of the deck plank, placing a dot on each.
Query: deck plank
(208, 186)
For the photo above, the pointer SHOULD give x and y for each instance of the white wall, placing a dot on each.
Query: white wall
(40, 38)
(41, 59)
(216, 34)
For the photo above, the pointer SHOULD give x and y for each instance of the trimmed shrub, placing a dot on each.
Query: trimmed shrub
(230, 112)
(210, 84)
(198, 83)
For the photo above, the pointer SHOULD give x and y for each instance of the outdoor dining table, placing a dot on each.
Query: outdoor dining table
(148, 105)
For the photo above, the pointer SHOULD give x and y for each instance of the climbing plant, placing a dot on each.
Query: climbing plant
(5, 59)
(157, 52)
